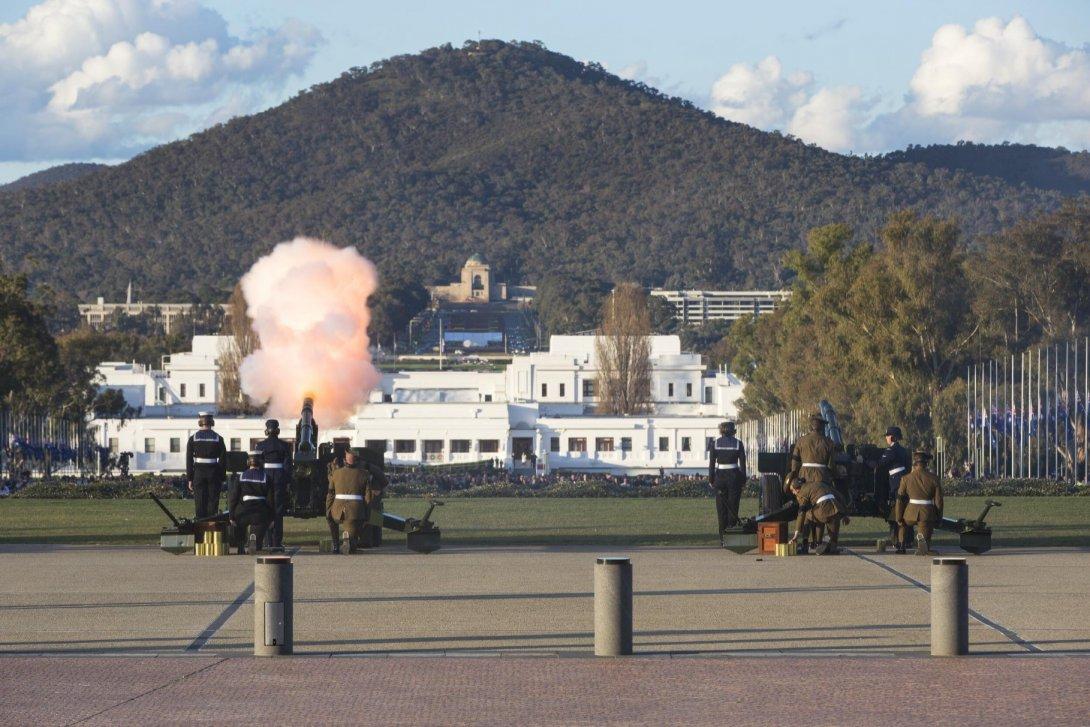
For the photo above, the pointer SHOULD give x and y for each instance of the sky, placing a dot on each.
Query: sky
(102, 80)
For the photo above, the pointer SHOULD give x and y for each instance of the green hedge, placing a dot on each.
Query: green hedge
(134, 488)
(1012, 488)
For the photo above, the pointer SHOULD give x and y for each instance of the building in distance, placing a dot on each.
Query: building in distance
(695, 307)
(477, 285)
(97, 314)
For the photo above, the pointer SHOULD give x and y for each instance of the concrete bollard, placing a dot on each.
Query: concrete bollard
(613, 607)
(272, 605)
(949, 607)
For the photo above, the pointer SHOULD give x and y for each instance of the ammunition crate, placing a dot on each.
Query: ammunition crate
(769, 535)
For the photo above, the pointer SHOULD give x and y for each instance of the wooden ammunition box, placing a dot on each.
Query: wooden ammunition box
(769, 535)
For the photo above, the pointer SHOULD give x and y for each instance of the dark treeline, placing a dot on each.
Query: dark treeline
(884, 326)
(536, 160)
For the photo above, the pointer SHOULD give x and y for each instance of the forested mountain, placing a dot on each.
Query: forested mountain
(59, 173)
(1037, 166)
(538, 161)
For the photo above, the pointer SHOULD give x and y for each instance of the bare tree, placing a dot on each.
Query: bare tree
(623, 349)
(243, 342)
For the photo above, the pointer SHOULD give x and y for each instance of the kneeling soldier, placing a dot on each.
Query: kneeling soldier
(919, 502)
(819, 506)
(344, 503)
(251, 506)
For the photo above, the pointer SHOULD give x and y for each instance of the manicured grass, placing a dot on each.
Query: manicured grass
(1023, 521)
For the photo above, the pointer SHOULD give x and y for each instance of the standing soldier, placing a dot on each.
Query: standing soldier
(251, 506)
(205, 466)
(727, 475)
(812, 459)
(276, 453)
(919, 502)
(895, 462)
(345, 503)
(820, 505)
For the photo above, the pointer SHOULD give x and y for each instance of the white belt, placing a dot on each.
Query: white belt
(726, 466)
(274, 465)
(247, 498)
(922, 502)
(206, 460)
(349, 497)
(896, 471)
(823, 498)
(813, 464)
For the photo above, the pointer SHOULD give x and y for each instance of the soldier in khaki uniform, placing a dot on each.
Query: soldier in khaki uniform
(376, 488)
(919, 502)
(819, 505)
(812, 460)
(345, 503)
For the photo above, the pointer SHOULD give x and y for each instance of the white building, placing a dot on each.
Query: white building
(538, 412)
(693, 307)
(167, 314)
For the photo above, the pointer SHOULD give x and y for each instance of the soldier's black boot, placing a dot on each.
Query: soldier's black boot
(251, 544)
(347, 546)
(803, 549)
(901, 549)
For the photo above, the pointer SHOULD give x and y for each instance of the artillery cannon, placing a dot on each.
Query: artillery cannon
(853, 478)
(305, 495)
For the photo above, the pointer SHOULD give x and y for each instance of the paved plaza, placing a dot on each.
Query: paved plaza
(115, 633)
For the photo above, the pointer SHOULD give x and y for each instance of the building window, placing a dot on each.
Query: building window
(554, 442)
(686, 444)
(175, 445)
(688, 391)
(379, 445)
(433, 446)
(588, 387)
(707, 395)
(544, 390)
(114, 446)
(236, 444)
(488, 397)
(254, 441)
(670, 389)
(603, 444)
(460, 446)
(181, 391)
(626, 444)
(577, 444)
(664, 444)
(200, 390)
(488, 446)
(404, 446)
(561, 391)
(162, 394)
(149, 445)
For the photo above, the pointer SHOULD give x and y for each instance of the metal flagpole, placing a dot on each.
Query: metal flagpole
(1067, 400)
(1021, 412)
(1086, 411)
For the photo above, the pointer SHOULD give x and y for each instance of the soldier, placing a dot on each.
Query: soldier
(819, 505)
(345, 503)
(251, 504)
(727, 475)
(376, 488)
(894, 464)
(812, 460)
(276, 454)
(919, 502)
(205, 466)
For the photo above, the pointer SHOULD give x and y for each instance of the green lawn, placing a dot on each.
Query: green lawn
(553, 521)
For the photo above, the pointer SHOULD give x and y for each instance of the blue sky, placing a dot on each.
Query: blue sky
(104, 80)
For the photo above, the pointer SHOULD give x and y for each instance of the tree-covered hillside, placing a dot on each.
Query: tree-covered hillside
(53, 175)
(538, 161)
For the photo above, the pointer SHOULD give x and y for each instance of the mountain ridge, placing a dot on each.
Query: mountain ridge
(538, 161)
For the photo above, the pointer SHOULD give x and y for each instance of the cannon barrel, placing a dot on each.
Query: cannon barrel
(306, 433)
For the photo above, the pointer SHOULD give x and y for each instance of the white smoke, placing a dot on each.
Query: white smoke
(308, 303)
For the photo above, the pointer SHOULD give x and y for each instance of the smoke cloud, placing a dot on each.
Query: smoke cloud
(308, 303)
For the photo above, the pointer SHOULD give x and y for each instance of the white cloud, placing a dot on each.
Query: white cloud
(108, 77)
(763, 95)
(999, 81)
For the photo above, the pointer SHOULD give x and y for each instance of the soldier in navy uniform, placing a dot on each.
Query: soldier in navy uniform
(252, 505)
(276, 454)
(727, 475)
(205, 466)
(896, 461)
